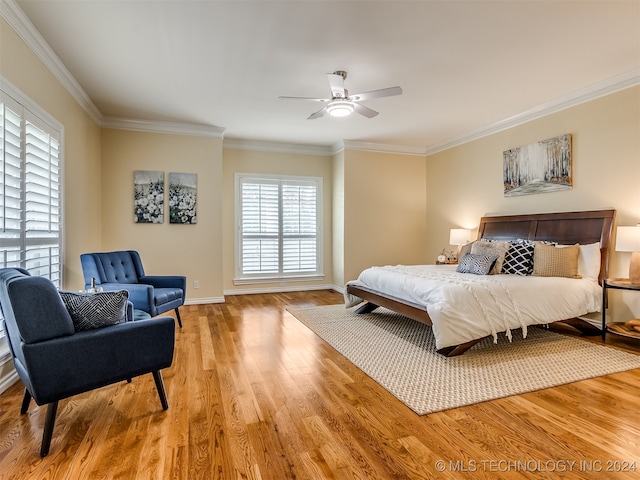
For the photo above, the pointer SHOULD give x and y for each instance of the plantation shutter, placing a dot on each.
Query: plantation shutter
(42, 202)
(278, 227)
(299, 228)
(260, 227)
(30, 196)
(11, 154)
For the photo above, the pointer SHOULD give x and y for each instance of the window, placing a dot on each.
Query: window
(30, 206)
(278, 221)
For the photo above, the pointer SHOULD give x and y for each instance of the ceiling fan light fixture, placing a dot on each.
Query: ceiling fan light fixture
(340, 108)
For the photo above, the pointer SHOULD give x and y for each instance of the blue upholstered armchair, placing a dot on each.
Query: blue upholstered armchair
(123, 270)
(54, 361)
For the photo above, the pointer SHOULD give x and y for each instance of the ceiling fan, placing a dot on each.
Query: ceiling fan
(341, 103)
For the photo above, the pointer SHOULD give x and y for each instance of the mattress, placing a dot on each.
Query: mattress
(465, 307)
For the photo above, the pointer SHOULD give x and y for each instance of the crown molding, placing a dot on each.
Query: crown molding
(265, 146)
(587, 94)
(380, 147)
(162, 127)
(17, 20)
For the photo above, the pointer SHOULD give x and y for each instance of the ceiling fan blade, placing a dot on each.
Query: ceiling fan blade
(317, 114)
(366, 111)
(383, 92)
(336, 82)
(306, 98)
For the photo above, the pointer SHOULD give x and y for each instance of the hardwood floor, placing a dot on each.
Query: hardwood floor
(254, 394)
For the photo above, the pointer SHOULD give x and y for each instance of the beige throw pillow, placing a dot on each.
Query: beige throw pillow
(549, 261)
(492, 249)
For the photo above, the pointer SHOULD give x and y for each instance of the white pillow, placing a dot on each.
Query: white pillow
(588, 260)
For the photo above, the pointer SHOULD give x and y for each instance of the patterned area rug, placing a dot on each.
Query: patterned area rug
(400, 355)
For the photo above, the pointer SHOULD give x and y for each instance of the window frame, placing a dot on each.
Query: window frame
(241, 278)
(30, 112)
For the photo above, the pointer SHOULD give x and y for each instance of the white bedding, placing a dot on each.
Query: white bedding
(465, 307)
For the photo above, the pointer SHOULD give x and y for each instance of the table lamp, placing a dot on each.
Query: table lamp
(628, 240)
(459, 236)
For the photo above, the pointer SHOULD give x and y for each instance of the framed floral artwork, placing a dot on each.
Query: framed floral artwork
(148, 197)
(183, 198)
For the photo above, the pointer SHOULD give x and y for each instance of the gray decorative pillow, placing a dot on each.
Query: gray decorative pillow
(476, 264)
(492, 248)
(96, 310)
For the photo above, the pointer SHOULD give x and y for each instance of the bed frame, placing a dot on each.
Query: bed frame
(564, 228)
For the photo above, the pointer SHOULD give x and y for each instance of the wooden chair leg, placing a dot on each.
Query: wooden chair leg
(157, 376)
(179, 319)
(49, 423)
(25, 402)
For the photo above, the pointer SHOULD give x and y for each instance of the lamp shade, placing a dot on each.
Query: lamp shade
(459, 236)
(628, 239)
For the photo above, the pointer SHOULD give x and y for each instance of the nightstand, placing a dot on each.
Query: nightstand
(617, 327)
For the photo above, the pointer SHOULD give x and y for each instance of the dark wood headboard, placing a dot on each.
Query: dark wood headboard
(565, 228)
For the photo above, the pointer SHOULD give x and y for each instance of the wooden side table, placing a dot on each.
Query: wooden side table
(618, 327)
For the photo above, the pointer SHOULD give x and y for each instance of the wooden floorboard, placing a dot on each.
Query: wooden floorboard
(254, 394)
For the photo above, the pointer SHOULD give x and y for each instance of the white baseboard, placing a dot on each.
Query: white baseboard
(251, 291)
(200, 301)
(8, 380)
(301, 288)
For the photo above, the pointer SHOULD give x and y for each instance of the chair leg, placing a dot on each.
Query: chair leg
(157, 376)
(49, 423)
(179, 319)
(25, 402)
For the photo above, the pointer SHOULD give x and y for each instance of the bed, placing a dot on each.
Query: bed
(463, 308)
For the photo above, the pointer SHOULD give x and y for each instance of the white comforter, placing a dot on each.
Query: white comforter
(465, 307)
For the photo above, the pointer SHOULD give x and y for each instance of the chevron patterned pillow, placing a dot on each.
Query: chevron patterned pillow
(476, 264)
(96, 310)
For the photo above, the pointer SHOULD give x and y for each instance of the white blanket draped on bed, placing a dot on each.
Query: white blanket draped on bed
(465, 307)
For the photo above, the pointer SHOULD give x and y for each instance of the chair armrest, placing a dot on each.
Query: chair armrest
(130, 313)
(90, 359)
(141, 295)
(165, 281)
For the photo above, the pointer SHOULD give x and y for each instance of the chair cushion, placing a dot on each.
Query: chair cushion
(140, 315)
(96, 310)
(117, 267)
(166, 295)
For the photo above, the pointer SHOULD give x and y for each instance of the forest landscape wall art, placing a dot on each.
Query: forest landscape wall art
(540, 167)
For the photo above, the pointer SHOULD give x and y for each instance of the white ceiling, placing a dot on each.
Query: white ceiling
(466, 67)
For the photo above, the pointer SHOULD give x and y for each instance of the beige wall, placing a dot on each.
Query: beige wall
(378, 214)
(338, 219)
(465, 183)
(249, 161)
(384, 210)
(191, 250)
(81, 150)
